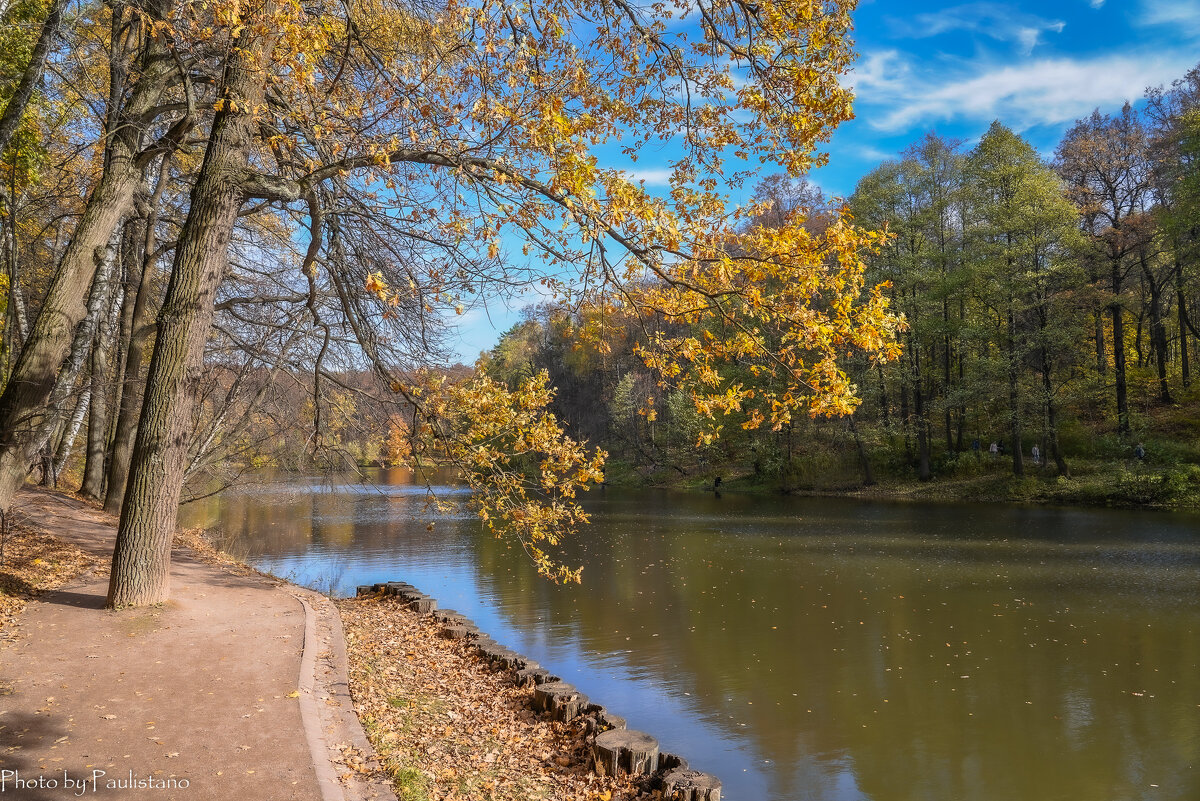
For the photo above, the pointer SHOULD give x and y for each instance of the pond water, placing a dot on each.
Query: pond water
(815, 648)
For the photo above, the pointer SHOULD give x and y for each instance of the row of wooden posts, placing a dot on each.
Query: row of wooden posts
(615, 748)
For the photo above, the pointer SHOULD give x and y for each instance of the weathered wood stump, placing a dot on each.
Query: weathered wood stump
(669, 762)
(559, 699)
(632, 751)
(422, 604)
(682, 784)
(533, 676)
(456, 632)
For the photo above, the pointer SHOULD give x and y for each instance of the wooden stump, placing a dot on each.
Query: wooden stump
(682, 784)
(422, 604)
(632, 751)
(559, 699)
(533, 676)
(456, 632)
(669, 762)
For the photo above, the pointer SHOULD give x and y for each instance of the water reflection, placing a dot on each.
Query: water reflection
(820, 648)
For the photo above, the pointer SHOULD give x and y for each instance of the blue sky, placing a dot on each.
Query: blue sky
(953, 68)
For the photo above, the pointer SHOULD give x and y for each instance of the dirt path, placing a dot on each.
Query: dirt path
(234, 689)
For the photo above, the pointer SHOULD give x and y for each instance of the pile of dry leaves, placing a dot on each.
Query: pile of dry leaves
(447, 727)
(31, 562)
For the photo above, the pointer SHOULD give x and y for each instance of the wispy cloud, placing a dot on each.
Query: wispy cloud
(1096, 3)
(998, 21)
(894, 95)
(653, 176)
(1170, 12)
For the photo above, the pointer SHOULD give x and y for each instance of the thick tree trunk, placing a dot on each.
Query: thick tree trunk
(141, 562)
(23, 403)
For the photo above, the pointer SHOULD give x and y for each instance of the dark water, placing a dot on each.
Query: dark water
(820, 649)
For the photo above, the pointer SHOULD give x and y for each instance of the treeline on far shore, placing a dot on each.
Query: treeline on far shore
(1050, 341)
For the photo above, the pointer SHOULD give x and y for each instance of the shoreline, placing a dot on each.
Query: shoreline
(405, 680)
(1122, 486)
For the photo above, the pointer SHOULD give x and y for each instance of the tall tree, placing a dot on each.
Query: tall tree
(1022, 229)
(482, 118)
(1104, 160)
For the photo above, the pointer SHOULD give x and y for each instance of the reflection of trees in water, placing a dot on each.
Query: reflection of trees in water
(836, 644)
(831, 656)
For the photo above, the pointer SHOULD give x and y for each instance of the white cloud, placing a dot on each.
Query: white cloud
(998, 21)
(1170, 12)
(1096, 3)
(653, 176)
(1040, 92)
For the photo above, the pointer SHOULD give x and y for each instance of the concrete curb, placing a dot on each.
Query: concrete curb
(327, 709)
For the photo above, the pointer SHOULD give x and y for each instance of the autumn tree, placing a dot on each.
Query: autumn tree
(1104, 161)
(469, 123)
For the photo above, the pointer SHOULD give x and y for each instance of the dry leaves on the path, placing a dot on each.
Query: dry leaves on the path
(447, 727)
(32, 562)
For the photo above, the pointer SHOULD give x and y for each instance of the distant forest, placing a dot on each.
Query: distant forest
(1048, 305)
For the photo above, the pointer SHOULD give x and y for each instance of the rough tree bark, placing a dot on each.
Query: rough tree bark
(141, 562)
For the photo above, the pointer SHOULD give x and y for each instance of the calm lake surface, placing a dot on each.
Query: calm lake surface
(816, 648)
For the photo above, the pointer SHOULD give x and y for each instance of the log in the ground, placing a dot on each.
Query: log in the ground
(626, 750)
(422, 604)
(456, 632)
(559, 699)
(682, 784)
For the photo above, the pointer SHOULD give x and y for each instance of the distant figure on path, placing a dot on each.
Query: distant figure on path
(1037, 454)
(1139, 452)
(975, 447)
(993, 449)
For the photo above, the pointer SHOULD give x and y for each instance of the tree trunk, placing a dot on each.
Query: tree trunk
(1181, 301)
(1118, 345)
(1052, 448)
(863, 460)
(97, 435)
(1158, 329)
(141, 562)
(23, 402)
(1014, 396)
(63, 452)
(140, 331)
(20, 98)
(47, 437)
(924, 473)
